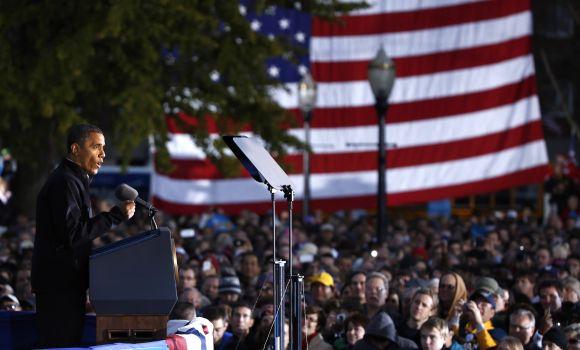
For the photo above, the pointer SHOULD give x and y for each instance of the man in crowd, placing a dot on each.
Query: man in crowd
(186, 278)
(249, 272)
(194, 296)
(222, 339)
(242, 320)
(357, 286)
(229, 289)
(65, 229)
(523, 326)
(183, 320)
(550, 293)
(423, 305)
(376, 293)
(321, 288)
(543, 259)
(555, 339)
(525, 283)
(183, 312)
(210, 287)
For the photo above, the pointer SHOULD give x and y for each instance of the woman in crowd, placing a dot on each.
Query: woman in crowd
(452, 296)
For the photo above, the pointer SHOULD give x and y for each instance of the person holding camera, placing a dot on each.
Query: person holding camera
(480, 332)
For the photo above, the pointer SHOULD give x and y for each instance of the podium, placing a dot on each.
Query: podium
(133, 287)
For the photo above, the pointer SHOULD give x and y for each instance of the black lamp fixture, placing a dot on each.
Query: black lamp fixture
(306, 101)
(382, 74)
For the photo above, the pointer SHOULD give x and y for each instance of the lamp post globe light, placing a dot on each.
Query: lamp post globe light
(382, 73)
(306, 101)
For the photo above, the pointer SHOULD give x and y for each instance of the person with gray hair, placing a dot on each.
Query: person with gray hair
(523, 326)
(376, 293)
(572, 332)
(570, 290)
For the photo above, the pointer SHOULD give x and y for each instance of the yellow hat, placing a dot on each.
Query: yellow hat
(324, 278)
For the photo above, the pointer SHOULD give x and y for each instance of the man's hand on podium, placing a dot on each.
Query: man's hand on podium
(128, 208)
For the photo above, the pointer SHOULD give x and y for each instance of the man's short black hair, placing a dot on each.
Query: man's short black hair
(550, 283)
(315, 309)
(216, 312)
(79, 133)
(243, 303)
(183, 310)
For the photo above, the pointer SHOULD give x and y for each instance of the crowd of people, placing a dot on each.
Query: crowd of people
(506, 279)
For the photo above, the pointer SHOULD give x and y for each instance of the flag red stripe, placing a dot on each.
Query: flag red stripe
(421, 110)
(520, 178)
(189, 124)
(361, 161)
(176, 342)
(425, 64)
(416, 20)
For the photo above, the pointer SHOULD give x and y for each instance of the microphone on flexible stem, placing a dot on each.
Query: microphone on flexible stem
(124, 192)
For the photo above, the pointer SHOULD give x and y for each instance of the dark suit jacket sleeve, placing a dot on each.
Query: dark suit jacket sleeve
(70, 215)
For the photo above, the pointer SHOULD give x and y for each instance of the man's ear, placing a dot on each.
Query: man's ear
(74, 148)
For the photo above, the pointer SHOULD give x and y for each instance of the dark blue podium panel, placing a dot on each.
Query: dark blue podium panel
(134, 276)
(18, 330)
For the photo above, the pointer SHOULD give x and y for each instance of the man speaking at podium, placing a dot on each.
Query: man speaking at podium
(65, 229)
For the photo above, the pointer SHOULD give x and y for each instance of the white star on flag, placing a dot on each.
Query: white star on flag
(300, 37)
(255, 25)
(274, 71)
(284, 23)
(214, 75)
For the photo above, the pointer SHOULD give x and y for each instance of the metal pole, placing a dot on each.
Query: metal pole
(381, 108)
(306, 166)
(279, 316)
(296, 312)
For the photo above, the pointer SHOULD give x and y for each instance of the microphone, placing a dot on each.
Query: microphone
(124, 192)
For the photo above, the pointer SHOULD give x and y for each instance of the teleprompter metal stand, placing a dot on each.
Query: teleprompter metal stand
(264, 169)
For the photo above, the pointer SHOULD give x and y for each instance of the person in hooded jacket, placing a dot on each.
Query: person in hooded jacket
(381, 334)
(452, 295)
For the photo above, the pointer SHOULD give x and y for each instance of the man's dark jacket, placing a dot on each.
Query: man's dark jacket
(65, 229)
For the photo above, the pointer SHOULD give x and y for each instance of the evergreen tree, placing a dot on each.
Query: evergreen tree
(126, 65)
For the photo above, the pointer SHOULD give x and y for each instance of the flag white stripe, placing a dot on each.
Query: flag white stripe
(421, 42)
(382, 6)
(416, 88)
(457, 172)
(407, 134)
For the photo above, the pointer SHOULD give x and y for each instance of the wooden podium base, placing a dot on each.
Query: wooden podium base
(131, 328)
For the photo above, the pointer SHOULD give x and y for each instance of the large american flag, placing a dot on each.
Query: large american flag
(464, 115)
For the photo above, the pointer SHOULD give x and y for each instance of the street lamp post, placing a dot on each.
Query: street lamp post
(381, 72)
(306, 101)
